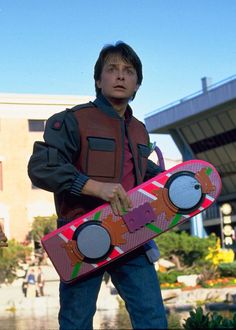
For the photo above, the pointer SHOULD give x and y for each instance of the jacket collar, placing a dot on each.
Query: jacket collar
(102, 103)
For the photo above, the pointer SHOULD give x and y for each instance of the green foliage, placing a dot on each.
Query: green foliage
(227, 269)
(42, 226)
(10, 258)
(170, 276)
(190, 249)
(199, 320)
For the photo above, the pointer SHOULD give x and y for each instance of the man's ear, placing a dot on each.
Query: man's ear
(98, 83)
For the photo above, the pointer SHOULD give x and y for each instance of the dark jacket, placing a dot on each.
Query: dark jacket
(87, 141)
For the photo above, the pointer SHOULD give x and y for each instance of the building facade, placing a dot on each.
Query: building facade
(22, 120)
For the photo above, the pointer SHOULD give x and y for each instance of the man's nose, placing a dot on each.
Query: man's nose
(120, 74)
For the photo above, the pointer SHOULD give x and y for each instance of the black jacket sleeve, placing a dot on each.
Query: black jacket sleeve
(51, 165)
(152, 170)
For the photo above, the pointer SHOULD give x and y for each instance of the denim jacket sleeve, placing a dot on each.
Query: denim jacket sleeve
(51, 165)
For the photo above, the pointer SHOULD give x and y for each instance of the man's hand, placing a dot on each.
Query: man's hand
(113, 193)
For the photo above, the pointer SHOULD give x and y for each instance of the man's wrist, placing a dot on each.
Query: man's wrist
(92, 188)
(78, 184)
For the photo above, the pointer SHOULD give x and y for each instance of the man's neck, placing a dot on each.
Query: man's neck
(119, 105)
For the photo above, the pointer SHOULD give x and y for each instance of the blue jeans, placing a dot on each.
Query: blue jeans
(136, 281)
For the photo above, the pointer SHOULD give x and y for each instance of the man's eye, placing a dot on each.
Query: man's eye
(130, 71)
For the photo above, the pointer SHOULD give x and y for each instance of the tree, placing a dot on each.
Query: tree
(10, 259)
(184, 250)
(41, 226)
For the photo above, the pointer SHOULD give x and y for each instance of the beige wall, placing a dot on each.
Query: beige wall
(19, 203)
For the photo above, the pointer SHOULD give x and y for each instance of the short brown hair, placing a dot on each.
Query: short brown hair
(127, 54)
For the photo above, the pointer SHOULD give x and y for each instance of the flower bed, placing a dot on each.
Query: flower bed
(172, 285)
(220, 282)
(215, 283)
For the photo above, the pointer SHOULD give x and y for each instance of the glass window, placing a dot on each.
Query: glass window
(36, 125)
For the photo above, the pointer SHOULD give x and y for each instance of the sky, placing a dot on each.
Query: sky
(51, 46)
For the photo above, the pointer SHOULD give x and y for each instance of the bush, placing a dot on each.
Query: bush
(199, 320)
(169, 277)
(227, 269)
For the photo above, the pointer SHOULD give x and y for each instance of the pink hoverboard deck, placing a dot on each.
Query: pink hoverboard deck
(99, 237)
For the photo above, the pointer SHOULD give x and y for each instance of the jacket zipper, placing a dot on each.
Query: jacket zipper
(137, 181)
(122, 126)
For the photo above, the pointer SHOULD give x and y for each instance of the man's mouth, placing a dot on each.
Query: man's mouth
(119, 87)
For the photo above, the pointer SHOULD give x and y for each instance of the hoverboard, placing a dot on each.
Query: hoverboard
(98, 238)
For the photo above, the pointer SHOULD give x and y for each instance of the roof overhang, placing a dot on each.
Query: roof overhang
(204, 127)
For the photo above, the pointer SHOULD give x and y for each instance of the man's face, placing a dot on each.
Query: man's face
(118, 79)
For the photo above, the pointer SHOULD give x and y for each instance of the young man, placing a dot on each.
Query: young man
(94, 153)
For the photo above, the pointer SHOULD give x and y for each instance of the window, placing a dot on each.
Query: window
(1, 183)
(36, 125)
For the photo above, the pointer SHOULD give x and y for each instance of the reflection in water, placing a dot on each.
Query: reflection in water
(16, 321)
(41, 313)
(120, 321)
(13, 322)
(23, 321)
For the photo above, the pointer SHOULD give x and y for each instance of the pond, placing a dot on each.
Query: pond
(20, 321)
(17, 321)
(25, 321)
(20, 313)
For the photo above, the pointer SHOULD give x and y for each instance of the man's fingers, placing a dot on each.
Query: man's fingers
(114, 208)
(117, 196)
(125, 201)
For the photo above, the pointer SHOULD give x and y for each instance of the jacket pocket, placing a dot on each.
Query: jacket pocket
(101, 157)
(143, 154)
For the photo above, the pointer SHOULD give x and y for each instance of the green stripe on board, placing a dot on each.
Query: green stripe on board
(208, 171)
(75, 270)
(97, 215)
(175, 220)
(154, 228)
(124, 211)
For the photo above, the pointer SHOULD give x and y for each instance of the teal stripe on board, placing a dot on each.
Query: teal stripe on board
(97, 215)
(208, 171)
(175, 220)
(154, 228)
(76, 270)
